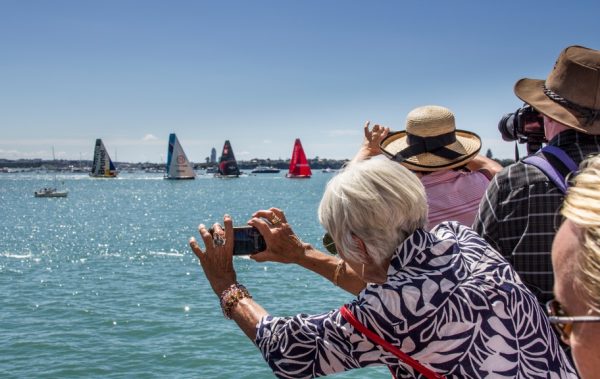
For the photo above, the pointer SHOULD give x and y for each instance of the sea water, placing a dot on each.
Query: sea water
(103, 284)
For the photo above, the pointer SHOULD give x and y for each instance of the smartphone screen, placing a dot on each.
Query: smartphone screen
(247, 240)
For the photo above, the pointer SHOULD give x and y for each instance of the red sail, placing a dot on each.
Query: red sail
(299, 167)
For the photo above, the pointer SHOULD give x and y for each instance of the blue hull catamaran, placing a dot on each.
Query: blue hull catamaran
(103, 166)
(178, 165)
(228, 167)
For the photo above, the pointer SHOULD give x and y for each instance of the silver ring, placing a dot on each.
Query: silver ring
(218, 240)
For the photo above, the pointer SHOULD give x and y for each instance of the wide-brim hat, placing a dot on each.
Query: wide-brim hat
(571, 93)
(431, 141)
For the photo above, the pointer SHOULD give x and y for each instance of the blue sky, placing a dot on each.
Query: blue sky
(262, 73)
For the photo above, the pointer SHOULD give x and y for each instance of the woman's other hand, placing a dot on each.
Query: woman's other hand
(217, 259)
(283, 245)
(370, 146)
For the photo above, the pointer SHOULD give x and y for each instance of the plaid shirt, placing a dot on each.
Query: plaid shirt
(519, 214)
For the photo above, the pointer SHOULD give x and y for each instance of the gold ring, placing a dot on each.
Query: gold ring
(275, 220)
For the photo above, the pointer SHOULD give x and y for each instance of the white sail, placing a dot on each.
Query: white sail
(102, 167)
(178, 165)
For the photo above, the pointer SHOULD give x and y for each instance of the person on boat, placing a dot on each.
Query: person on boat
(443, 298)
(446, 160)
(575, 311)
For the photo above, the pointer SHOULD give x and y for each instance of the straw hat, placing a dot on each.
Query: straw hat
(571, 93)
(431, 141)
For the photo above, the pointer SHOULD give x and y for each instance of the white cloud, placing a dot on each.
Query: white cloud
(149, 137)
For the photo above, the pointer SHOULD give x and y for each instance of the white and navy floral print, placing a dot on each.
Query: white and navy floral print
(450, 301)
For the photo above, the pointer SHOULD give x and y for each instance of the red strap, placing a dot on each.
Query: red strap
(426, 372)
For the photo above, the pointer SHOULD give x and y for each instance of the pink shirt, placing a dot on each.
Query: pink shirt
(454, 195)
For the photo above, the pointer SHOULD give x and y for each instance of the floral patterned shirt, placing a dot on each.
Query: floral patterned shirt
(450, 301)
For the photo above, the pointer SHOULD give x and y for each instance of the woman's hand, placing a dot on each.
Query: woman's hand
(283, 245)
(217, 259)
(370, 146)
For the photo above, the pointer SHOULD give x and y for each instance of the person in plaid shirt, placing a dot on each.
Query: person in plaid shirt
(519, 215)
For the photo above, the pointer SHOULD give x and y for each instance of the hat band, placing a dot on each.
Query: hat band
(435, 145)
(590, 115)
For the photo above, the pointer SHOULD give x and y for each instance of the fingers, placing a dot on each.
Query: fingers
(261, 225)
(279, 213)
(366, 129)
(195, 247)
(273, 215)
(229, 239)
(204, 233)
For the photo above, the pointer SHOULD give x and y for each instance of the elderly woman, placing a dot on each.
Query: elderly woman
(436, 303)
(576, 261)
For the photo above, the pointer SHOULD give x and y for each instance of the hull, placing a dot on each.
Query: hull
(292, 176)
(265, 170)
(111, 175)
(50, 194)
(220, 176)
(180, 178)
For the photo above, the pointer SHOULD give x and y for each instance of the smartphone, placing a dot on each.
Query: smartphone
(247, 240)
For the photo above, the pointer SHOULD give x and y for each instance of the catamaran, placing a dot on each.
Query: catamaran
(178, 166)
(299, 167)
(102, 167)
(228, 167)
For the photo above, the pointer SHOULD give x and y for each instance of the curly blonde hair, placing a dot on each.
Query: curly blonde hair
(582, 207)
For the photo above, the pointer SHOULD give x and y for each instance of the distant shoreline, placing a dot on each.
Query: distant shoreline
(85, 165)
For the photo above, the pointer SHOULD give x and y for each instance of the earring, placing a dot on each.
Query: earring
(363, 271)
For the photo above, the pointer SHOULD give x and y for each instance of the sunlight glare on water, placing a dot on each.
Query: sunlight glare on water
(103, 284)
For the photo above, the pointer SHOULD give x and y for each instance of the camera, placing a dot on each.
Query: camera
(247, 241)
(525, 125)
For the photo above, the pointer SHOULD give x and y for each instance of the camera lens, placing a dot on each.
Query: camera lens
(506, 126)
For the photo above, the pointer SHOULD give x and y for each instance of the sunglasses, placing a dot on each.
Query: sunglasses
(562, 322)
(329, 244)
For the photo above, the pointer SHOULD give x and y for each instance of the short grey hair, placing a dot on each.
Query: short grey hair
(379, 201)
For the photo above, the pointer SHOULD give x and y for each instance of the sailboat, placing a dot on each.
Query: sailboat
(102, 167)
(51, 191)
(228, 167)
(299, 167)
(178, 166)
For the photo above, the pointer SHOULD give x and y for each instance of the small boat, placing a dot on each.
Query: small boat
(212, 170)
(265, 170)
(327, 170)
(103, 166)
(228, 167)
(50, 192)
(299, 167)
(178, 165)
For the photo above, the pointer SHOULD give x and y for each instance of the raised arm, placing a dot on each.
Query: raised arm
(284, 246)
(488, 166)
(370, 145)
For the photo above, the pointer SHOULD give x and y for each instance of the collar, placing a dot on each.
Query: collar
(419, 250)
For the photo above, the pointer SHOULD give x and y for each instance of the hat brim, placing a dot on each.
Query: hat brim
(531, 91)
(468, 145)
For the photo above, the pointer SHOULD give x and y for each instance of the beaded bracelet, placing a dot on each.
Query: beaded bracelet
(341, 265)
(231, 297)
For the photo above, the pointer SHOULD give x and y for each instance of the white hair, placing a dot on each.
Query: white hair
(582, 207)
(379, 201)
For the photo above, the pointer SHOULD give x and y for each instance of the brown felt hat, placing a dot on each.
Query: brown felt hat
(571, 93)
(431, 141)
